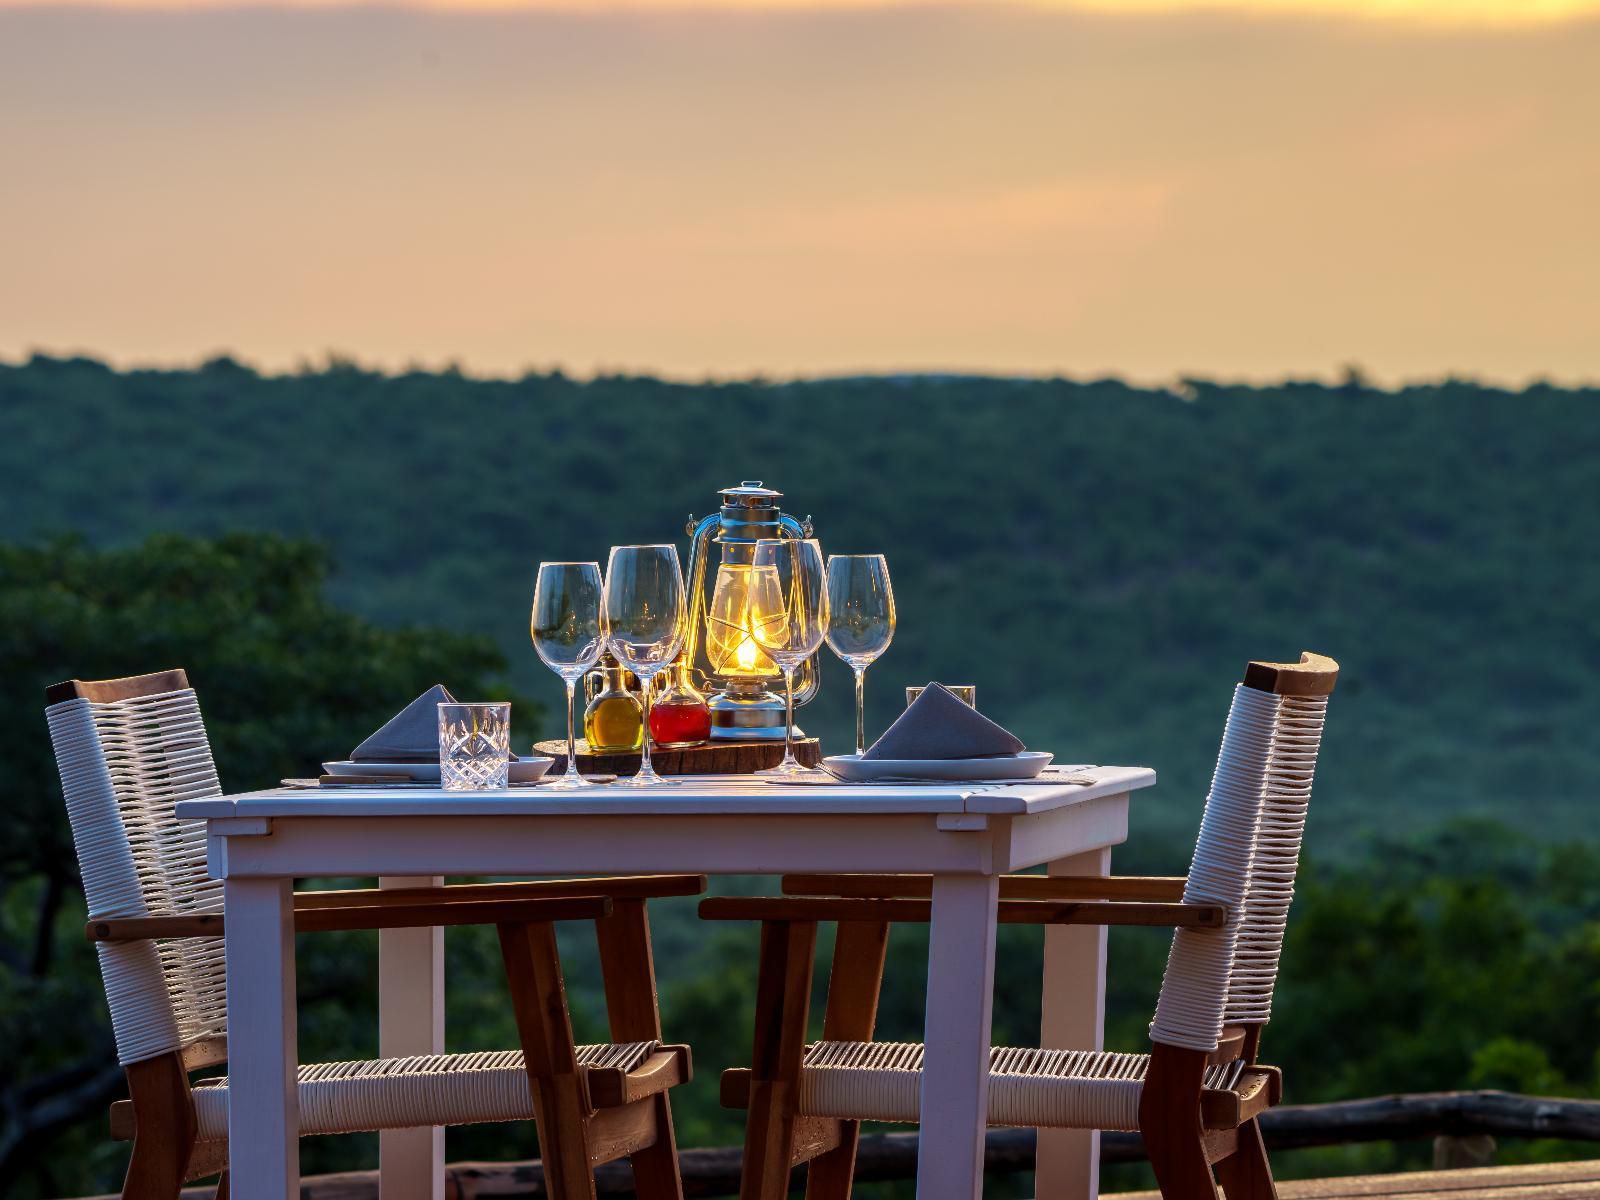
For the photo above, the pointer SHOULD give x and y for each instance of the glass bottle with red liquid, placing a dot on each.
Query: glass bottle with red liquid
(679, 716)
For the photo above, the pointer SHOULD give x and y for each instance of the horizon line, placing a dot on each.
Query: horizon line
(1180, 383)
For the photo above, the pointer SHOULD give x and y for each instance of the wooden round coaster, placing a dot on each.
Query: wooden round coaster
(708, 758)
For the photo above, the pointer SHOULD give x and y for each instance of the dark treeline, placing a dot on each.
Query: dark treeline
(1099, 558)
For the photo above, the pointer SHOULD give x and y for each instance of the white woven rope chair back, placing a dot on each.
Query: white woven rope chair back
(1194, 990)
(124, 764)
(1291, 765)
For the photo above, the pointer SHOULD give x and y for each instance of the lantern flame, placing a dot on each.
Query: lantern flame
(748, 656)
(741, 601)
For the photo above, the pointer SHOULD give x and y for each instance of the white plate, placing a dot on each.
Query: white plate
(856, 769)
(520, 770)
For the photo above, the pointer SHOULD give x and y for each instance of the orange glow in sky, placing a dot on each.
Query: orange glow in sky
(1443, 12)
(808, 188)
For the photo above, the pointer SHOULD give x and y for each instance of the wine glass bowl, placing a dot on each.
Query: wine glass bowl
(645, 617)
(791, 619)
(568, 630)
(860, 620)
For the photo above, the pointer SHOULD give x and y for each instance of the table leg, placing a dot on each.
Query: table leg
(263, 1107)
(955, 1072)
(1073, 1017)
(411, 1021)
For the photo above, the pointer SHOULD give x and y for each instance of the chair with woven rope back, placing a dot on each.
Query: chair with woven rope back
(128, 750)
(1195, 1097)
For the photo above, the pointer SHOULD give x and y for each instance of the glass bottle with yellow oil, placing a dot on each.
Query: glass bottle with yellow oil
(613, 722)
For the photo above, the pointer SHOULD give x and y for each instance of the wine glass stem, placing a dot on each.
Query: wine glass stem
(572, 737)
(788, 724)
(861, 710)
(645, 768)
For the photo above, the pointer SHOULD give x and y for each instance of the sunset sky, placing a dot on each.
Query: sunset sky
(808, 186)
(1453, 12)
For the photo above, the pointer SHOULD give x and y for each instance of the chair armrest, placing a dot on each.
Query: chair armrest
(622, 887)
(822, 908)
(133, 929)
(453, 912)
(612, 1087)
(1011, 912)
(1012, 887)
(1170, 914)
(409, 901)
(435, 911)
(1259, 1088)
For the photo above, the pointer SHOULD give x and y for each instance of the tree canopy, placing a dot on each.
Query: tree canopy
(286, 679)
(1100, 559)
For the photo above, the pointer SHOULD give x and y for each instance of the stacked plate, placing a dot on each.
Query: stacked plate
(520, 770)
(996, 768)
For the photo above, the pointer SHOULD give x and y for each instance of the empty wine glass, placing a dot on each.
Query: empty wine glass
(644, 613)
(791, 624)
(860, 620)
(569, 631)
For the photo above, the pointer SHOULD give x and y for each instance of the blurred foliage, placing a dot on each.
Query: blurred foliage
(1100, 559)
(286, 680)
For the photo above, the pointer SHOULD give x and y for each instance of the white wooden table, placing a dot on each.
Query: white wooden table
(964, 834)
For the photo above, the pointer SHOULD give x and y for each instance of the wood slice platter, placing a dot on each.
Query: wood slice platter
(708, 758)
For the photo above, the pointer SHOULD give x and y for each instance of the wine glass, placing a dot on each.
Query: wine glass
(860, 620)
(790, 618)
(644, 614)
(569, 631)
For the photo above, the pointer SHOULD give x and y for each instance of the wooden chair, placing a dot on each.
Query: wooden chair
(1195, 1097)
(128, 750)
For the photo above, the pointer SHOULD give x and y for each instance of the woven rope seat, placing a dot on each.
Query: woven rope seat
(401, 1093)
(1049, 1089)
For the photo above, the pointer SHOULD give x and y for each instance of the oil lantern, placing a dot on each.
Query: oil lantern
(728, 601)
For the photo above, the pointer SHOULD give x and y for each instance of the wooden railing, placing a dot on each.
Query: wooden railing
(715, 1172)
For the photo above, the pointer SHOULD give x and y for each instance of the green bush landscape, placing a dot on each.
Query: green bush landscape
(1099, 559)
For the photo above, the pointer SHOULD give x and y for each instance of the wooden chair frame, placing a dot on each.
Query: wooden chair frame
(585, 1115)
(778, 1138)
(1187, 1128)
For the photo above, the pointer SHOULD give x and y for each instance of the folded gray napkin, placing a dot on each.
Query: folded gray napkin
(411, 735)
(938, 725)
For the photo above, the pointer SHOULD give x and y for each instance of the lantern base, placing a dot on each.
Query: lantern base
(757, 734)
(747, 713)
